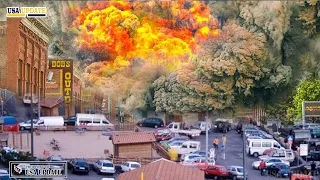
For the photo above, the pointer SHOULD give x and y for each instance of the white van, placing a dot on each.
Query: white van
(93, 122)
(50, 123)
(188, 147)
(256, 147)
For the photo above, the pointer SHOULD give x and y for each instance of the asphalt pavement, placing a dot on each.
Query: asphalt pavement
(234, 152)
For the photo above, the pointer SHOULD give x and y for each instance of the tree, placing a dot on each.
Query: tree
(212, 80)
(308, 90)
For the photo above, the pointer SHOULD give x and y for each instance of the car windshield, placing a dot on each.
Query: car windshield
(302, 135)
(135, 165)
(283, 166)
(240, 170)
(107, 165)
(82, 163)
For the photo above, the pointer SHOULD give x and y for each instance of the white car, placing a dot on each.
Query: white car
(256, 164)
(104, 166)
(189, 157)
(254, 137)
(128, 166)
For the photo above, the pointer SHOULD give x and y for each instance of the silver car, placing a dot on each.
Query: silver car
(104, 167)
(235, 172)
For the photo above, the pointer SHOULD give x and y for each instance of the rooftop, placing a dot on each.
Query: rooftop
(133, 138)
(163, 170)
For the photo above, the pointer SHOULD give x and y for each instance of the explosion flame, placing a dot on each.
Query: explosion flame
(162, 32)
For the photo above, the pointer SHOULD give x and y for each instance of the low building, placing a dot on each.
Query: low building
(163, 169)
(133, 144)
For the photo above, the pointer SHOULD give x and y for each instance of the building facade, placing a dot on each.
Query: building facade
(53, 103)
(25, 62)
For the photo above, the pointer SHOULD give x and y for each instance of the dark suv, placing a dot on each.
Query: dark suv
(70, 121)
(151, 122)
(222, 126)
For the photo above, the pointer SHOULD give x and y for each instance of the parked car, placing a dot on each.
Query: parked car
(284, 154)
(235, 172)
(151, 122)
(267, 152)
(78, 166)
(201, 153)
(180, 128)
(222, 126)
(301, 177)
(70, 121)
(201, 125)
(256, 147)
(188, 157)
(173, 144)
(255, 137)
(104, 167)
(162, 134)
(177, 138)
(57, 166)
(187, 147)
(128, 166)
(313, 156)
(198, 162)
(279, 170)
(262, 134)
(26, 125)
(4, 175)
(215, 171)
(255, 165)
(93, 122)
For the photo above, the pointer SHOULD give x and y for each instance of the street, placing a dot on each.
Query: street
(234, 151)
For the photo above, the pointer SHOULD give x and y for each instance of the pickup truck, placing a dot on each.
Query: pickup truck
(283, 154)
(177, 127)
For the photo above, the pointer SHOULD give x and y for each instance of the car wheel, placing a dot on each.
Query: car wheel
(278, 175)
(98, 172)
(22, 128)
(234, 178)
(72, 171)
(156, 126)
(255, 154)
(215, 177)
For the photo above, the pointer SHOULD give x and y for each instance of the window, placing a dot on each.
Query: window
(28, 79)
(193, 146)
(184, 146)
(256, 144)
(170, 126)
(107, 165)
(96, 121)
(233, 169)
(276, 145)
(266, 144)
(84, 120)
(105, 122)
(175, 126)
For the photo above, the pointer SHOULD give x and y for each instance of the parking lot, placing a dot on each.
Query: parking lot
(234, 151)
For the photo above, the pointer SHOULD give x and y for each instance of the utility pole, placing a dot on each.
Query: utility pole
(303, 115)
(31, 129)
(244, 159)
(207, 136)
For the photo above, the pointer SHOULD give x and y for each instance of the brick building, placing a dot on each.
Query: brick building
(24, 55)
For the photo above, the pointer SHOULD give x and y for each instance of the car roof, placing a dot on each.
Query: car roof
(132, 162)
(236, 166)
(191, 154)
(106, 161)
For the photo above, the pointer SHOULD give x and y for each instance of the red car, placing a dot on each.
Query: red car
(267, 151)
(162, 134)
(215, 171)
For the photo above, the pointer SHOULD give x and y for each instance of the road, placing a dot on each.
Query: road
(234, 152)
